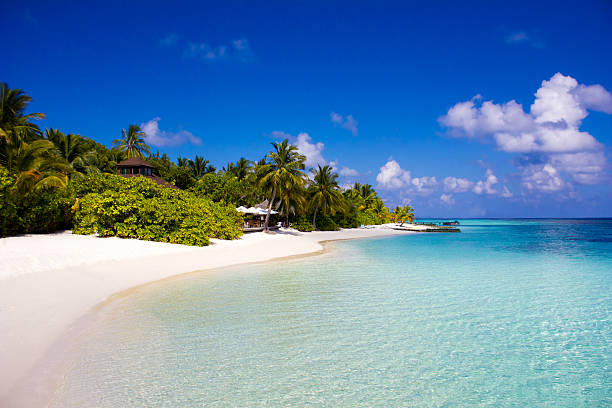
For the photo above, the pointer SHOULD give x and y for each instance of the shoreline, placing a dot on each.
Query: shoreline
(40, 308)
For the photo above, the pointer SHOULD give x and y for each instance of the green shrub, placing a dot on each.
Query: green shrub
(303, 224)
(139, 208)
(39, 211)
(46, 211)
(9, 218)
(326, 224)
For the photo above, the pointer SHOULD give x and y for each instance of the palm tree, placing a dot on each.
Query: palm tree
(132, 142)
(366, 190)
(283, 172)
(403, 214)
(73, 149)
(379, 208)
(292, 200)
(35, 164)
(198, 167)
(182, 162)
(324, 193)
(242, 168)
(13, 103)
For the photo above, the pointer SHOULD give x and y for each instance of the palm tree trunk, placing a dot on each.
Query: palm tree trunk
(269, 209)
(314, 219)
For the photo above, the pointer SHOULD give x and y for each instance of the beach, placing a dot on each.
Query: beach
(47, 282)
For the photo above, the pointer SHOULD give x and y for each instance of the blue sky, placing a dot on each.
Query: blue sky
(414, 100)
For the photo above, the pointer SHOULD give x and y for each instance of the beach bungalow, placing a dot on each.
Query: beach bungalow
(135, 167)
(254, 219)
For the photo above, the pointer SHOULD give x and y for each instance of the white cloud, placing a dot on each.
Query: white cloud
(584, 167)
(157, 137)
(542, 178)
(486, 186)
(312, 151)
(424, 185)
(236, 50)
(552, 125)
(457, 185)
(348, 172)
(349, 123)
(595, 97)
(447, 199)
(392, 176)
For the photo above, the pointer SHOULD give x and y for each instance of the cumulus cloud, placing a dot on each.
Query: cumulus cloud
(157, 137)
(348, 172)
(594, 97)
(424, 185)
(349, 123)
(548, 136)
(542, 178)
(312, 151)
(489, 186)
(552, 125)
(584, 167)
(457, 185)
(391, 176)
(486, 185)
(237, 50)
(447, 199)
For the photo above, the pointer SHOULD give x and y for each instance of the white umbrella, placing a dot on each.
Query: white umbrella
(264, 212)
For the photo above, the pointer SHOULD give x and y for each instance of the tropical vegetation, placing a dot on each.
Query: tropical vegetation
(53, 180)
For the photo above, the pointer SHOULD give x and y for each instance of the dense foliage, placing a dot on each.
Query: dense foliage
(38, 211)
(140, 208)
(50, 180)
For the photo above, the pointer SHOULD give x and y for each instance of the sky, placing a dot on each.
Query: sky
(460, 109)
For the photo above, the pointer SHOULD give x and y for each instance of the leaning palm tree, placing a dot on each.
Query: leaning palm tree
(403, 214)
(198, 167)
(283, 172)
(132, 142)
(324, 193)
(13, 103)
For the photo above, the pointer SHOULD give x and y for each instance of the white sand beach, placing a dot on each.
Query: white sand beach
(47, 282)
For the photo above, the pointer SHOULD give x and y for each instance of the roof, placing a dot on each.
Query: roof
(135, 162)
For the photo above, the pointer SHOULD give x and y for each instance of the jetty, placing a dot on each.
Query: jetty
(426, 227)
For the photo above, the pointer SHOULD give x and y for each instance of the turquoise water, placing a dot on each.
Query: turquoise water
(507, 313)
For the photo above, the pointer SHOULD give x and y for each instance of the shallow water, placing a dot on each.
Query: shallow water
(506, 313)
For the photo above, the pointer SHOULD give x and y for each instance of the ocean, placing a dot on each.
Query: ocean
(507, 313)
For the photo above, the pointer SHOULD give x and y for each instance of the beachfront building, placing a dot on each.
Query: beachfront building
(135, 167)
(254, 218)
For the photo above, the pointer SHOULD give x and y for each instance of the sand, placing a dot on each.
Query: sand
(47, 282)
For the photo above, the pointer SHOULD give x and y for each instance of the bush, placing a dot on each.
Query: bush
(39, 211)
(303, 224)
(9, 219)
(140, 208)
(326, 224)
(46, 211)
